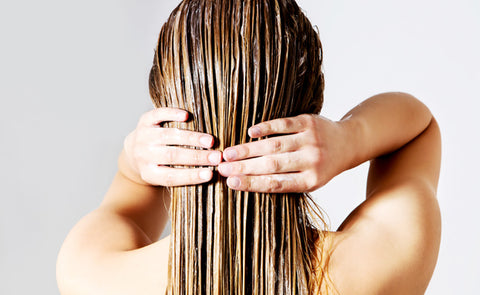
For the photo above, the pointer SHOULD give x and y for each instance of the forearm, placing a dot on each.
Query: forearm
(139, 190)
(383, 124)
(145, 205)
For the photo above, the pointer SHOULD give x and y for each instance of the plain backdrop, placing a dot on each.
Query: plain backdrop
(73, 83)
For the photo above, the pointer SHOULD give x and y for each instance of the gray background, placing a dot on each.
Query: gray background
(73, 84)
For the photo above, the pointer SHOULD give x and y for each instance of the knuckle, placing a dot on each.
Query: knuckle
(302, 121)
(282, 124)
(309, 121)
(243, 151)
(273, 184)
(303, 117)
(315, 156)
(297, 141)
(313, 181)
(246, 151)
(265, 127)
(276, 145)
(310, 182)
(272, 164)
(288, 123)
(198, 156)
(312, 137)
(168, 155)
(246, 183)
(315, 138)
(238, 168)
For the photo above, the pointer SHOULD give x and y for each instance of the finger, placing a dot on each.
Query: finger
(281, 144)
(280, 126)
(159, 115)
(166, 176)
(271, 164)
(277, 183)
(175, 136)
(169, 155)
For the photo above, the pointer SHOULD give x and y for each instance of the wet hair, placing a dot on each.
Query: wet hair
(233, 64)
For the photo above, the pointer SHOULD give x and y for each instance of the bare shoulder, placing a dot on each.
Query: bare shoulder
(95, 259)
(392, 248)
(390, 243)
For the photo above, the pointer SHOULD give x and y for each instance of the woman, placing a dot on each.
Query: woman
(237, 72)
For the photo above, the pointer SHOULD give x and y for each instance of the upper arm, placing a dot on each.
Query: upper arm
(390, 243)
(101, 254)
(418, 160)
(113, 250)
(105, 253)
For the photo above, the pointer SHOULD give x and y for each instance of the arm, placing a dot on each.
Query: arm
(382, 124)
(102, 253)
(394, 236)
(389, 244)
(317, 149)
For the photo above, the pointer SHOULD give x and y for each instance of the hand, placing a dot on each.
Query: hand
(309, 153)
(148, 148)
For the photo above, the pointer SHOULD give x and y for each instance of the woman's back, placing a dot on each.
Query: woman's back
(248, 228)
(389, 244)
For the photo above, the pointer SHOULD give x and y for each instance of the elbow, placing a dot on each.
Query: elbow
(418, 111)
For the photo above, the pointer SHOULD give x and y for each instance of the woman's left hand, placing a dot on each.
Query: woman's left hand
(310, 151)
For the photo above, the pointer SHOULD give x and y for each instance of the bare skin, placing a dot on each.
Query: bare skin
(388, 245)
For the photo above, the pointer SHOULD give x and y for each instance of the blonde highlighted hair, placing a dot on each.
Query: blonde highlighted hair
(233, 64)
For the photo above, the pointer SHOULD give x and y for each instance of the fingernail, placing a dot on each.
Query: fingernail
(230, 154)
(206, 141)
(225, 169)
(215, 158)
(254, 131)
(233, 182)
(205, 174)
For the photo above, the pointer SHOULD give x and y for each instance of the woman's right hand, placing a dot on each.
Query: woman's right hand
(148, 149)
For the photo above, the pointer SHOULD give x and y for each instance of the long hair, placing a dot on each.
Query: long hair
(233, 64)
